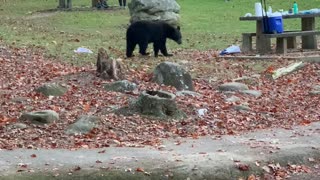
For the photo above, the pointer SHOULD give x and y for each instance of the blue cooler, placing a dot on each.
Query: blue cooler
(272, 24)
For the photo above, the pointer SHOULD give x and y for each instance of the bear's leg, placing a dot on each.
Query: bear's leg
(143, 48)
(163, 49)
(156, 49)
(130, 48)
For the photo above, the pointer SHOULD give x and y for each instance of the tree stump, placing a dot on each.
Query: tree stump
(108, 68)
(159, 104)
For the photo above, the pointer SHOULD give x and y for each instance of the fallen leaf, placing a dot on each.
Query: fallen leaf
(311, 159)
(33, 155)
(22, 165)
(252, 177)
(266, 169)
(257, 163)
(139, 169)
(305, 122)
(77, 168)
(243, 167)
(103, 151)
(86, 107)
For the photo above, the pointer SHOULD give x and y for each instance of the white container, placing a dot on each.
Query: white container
(275, 14)
(258, 9)
(270, 10)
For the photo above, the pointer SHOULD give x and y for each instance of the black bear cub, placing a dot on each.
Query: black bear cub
(156, 32)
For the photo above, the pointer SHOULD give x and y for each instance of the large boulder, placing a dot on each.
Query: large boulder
(166, 10)
(40, 117)
(172, 74)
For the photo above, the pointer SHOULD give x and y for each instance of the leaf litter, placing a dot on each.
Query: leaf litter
(285, 102)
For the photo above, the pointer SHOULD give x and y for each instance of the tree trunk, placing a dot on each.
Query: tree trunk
(69, 4)
(62, 3)
(94, 3)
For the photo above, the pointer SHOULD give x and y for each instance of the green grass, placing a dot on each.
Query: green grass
(206, 24)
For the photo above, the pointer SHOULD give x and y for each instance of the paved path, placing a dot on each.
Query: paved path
(204, 158)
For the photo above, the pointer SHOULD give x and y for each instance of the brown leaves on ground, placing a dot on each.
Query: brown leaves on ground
(33, 155)
(276, 171)
(139, 169)
(284, 102)
(243, 167)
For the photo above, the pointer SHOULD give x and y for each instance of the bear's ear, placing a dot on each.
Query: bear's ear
(178, 28)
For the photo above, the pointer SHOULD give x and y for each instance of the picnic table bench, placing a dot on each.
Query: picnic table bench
(68, 3)
(284, 40)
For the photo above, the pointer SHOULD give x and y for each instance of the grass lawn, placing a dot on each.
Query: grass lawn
(206, 24)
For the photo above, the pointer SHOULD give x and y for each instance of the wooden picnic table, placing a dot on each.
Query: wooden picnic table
(308, 23)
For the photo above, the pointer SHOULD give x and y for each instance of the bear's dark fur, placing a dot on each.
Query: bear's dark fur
(156, 32)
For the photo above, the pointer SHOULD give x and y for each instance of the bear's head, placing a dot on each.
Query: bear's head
(175, 35)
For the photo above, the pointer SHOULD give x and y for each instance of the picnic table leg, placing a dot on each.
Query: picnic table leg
(310, 41)
(281, 45)
(246, 42)
(292, 42)
(263, 44)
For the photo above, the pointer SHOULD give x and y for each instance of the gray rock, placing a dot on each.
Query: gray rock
(19, 99)
(248, 80)
(233, 99)
(40, 117)
(17, 126)
(254, 93)
(187, 93)
(241, 108)
(52, 89)
(233, 86)
(166, 10)
(83, 125)
(172, 74)
(121, 86)
(315, 90)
